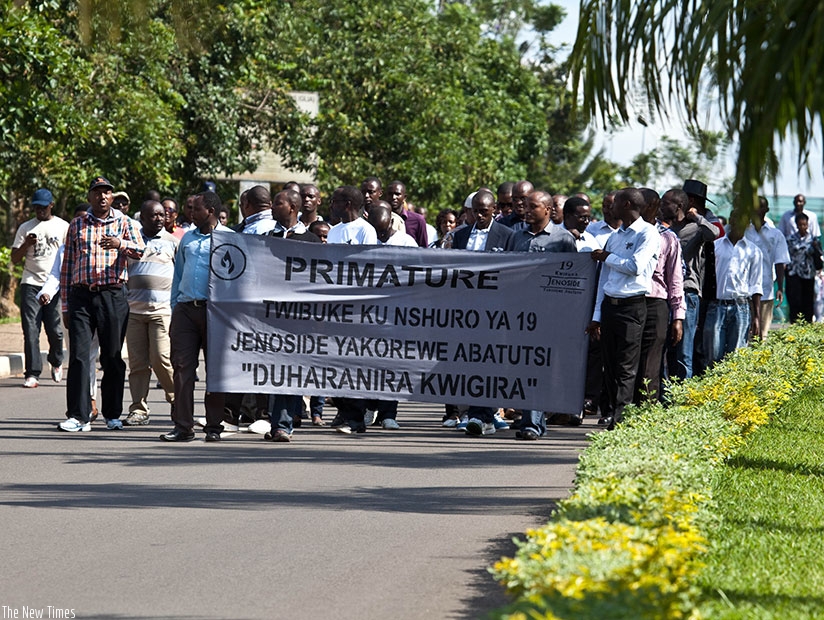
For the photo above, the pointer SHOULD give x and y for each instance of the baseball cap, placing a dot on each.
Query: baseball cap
(100, 182)
(42, 198)
(122, 195)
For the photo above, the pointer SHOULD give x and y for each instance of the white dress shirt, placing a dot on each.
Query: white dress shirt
(628, 269)
(774, 251)
(477, 239)
(737, 269)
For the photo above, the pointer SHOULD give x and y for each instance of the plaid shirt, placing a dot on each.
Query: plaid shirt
(85, 262)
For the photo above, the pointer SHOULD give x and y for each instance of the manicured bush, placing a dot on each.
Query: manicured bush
(629, 540)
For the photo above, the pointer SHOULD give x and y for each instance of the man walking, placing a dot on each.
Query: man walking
(735, 311)
(38, 241)
(629, 257)
(92, 277)
(190, 291)
(150, 312)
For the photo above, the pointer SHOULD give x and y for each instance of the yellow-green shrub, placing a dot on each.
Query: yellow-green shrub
(627, 543)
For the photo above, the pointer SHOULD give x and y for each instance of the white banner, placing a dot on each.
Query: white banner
(444, 326)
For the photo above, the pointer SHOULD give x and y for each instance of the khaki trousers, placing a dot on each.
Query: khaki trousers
(147, 339)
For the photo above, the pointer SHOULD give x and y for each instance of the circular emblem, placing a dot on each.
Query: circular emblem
(228, 262)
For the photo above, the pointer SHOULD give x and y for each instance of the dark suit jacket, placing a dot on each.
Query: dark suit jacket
(495, 242)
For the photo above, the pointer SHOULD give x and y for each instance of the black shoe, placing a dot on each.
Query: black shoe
(297, 421)
(527, 435)
(212, 436)
(576, 420)
(608, 421)
(177, 435)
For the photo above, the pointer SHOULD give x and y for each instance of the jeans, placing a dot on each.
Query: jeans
(32, 315)
(726, 328)
(316, 404)
(282, 409)
(533, 420)
(681, 365)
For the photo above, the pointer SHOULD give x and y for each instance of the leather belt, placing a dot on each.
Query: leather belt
(623, 301)
(97, 288)
(197, 303)
(731, 302)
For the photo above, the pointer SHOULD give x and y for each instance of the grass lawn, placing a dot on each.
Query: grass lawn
(767, 553)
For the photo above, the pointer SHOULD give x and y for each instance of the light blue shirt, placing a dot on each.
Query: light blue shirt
(191, 278)
(601, 231)
(259, 223)
(477, 239)
(629, 267)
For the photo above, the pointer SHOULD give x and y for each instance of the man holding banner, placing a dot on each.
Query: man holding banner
(190, 292)
(353, 229)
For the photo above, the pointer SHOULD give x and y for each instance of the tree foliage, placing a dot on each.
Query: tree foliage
(760, 62)
(159, 93)
(672, 161)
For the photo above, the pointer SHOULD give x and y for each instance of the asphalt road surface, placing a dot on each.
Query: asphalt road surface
(388, 524)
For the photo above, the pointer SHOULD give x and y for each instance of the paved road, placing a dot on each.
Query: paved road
(390, 524)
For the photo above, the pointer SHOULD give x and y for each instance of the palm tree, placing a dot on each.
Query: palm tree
(760, 62)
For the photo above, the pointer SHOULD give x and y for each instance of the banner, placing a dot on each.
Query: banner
(443, 326)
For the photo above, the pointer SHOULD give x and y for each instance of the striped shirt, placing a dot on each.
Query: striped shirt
(150, 278)
(86, 262)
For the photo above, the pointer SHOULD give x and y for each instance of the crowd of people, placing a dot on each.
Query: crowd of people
(678, 289)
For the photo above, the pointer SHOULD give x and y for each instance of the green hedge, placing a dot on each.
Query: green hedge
(629, 540)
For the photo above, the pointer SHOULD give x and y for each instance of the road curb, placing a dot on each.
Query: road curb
(15, 364)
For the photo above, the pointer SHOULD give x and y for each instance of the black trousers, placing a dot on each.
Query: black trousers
(653, 341)
(800, 297)
(622, 327)
(387, 409)
(106, 313)
(351, 411)
(188, 336)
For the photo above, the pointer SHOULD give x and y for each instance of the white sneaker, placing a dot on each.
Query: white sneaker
(73, 425)
(31, 382)
(57, 373)
(259, 427)
(369, 417)
(390, 425)
(488, 429)
(474, 427)
(450, 423)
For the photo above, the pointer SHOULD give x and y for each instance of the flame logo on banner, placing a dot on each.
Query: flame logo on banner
(226, 262)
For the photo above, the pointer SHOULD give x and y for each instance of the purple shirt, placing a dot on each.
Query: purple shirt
(415, 227)
(668, 277)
